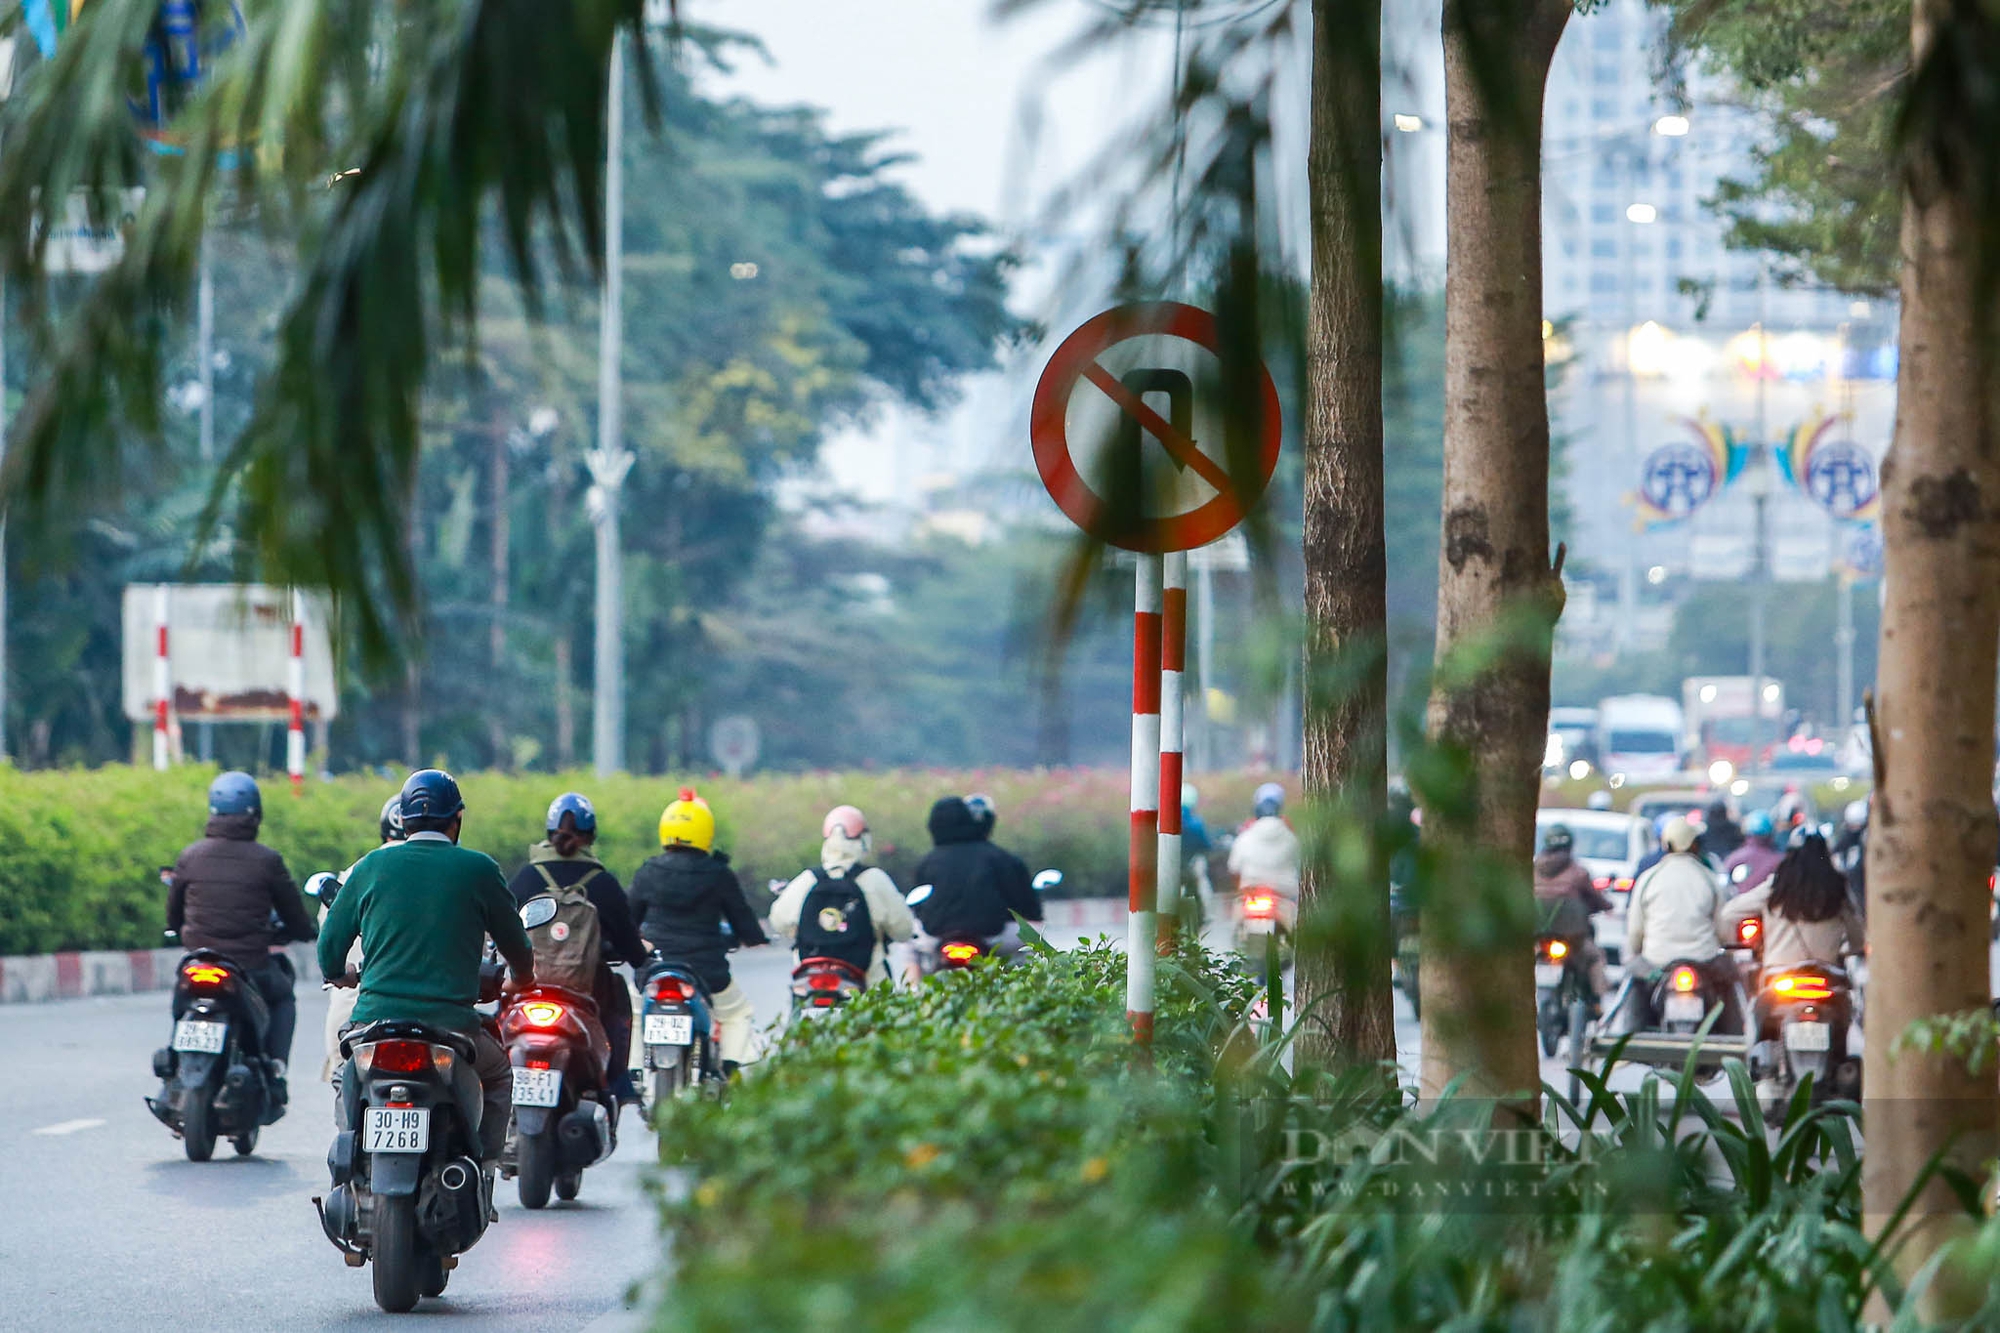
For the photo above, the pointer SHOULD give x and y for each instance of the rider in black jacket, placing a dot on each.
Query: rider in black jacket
(975, 888)
(682, 897)
(225, 890)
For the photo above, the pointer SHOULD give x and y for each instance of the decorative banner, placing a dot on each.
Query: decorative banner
(1678, 479)
(47, 20)
(1837, 474)
(186, 40)
(1861, 552)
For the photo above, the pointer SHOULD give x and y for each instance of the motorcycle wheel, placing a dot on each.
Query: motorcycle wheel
(395, 1248)
(568, 1184)
(197, 1133)
(1579, 1021)
(535, 1160)
(1545, 1024)
(245, 1143)
(666, 1086)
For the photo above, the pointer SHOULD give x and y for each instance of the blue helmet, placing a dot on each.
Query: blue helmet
(235, 794)
(1268, 801)
(1757, 824)
(430, 799)
(1660, 823)
(577, 806)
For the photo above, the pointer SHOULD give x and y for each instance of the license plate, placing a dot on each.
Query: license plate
(537, 1087)
(1548, 974)
(194, 1035)
(1684, 1009)
(1259, 925)
(1809, 1036)
(397, 1129)
(669, 1029)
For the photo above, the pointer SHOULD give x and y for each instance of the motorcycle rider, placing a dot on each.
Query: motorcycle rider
(1567, 899)
(1671, 915)
(224, 891)
(1804, 905)
(966, 886)
(1752, 863)
(682, 897)
(1720, 834)
(340, 999)
(846, 845)
(1850, 852)
(1265, 854)
(422, 909)
(564, 858)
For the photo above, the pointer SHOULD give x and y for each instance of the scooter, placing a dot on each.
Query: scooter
(821, 985)
(1803, 1014)
(214, 1079)
(1562, 1004)
(1259, 928)
(677, 1027)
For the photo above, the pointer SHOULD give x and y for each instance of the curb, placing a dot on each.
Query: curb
(33, 978)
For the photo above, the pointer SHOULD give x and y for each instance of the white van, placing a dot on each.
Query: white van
(1639, 736)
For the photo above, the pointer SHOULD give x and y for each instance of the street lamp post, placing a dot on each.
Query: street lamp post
(611, 460)
(1757, 481)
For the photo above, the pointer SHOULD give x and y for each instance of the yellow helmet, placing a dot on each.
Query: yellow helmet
(688, 822)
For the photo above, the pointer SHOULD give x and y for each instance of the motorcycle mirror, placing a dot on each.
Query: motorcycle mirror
(918, 894)
(323, 886)
(1048, 879)
(538, 911)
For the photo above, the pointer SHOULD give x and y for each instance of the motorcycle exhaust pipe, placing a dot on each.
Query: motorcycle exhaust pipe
(455, 1176)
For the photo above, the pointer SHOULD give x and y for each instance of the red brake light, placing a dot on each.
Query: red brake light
(822, 1001)
(1259, 904)
(1601, 883)
(1558, 950)
(961, 953)
(1685, 980)
(536, 1064)
(542, 1014)
(671, 988)
(1623, 884)
(1797, 986)
(823, 981)
(401, 1057)
(1748, 929)
(205, 974)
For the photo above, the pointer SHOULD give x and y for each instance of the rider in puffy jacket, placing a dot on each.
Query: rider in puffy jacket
(682, 897)
(1265, 854)
(1671, 916)
(1752, 863)
(225, 889)
(966, 887)
(846, 844)
(1567, 899)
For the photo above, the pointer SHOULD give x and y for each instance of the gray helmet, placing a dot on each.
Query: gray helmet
(1557, 838)
(1269, 800)
(392, 819)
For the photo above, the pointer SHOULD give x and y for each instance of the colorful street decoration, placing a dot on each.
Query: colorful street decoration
(186, 40)
(1837, 474)
(1680, 477)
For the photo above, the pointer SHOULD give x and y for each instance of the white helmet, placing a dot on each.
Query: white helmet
(1190, 798)
(1856, 815)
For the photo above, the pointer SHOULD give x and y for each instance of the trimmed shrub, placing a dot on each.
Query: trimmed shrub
(83, 846)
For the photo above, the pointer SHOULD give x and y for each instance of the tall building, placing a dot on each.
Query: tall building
(1675, 339)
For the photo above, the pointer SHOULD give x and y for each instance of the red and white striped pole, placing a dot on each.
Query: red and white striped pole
(295, 736)
(1141, 939)
(1173, 657)
(163, 683)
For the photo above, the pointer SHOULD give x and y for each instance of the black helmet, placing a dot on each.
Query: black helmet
(577, 806)
(1557, 838)
(430, 799)
(235, 794)
(392, 818)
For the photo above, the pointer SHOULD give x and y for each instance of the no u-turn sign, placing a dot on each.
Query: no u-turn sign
(1131, 434)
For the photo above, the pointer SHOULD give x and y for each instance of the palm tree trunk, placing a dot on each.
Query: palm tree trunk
(1932, 831)
(1497, 594)
(1344, 944)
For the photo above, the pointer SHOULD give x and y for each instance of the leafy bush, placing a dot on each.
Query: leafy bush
(985, 1153)
(84, 846)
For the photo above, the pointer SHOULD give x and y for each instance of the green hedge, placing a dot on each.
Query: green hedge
(83, 846)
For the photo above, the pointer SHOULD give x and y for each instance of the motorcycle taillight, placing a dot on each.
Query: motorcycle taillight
(397, 1057)
(204, 976)
(823, 981)
(669, 989)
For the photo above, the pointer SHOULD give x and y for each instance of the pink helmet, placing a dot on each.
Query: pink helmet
(844, 820)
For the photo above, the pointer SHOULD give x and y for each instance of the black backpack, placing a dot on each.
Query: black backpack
(834, 921)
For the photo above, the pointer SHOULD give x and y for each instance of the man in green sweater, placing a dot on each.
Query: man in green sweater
(422, 909)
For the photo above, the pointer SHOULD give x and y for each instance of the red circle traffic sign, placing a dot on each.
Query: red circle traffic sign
(1075, 361)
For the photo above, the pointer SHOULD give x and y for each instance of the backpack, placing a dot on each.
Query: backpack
(834, 921)
(567, 948)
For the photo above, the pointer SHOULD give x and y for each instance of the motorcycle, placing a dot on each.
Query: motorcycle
(1404, 965)
(214, 1080)
(1803, 1014)
(677, 1027)
(823, 984)
(1259, 927)
(1562, 1004)
(564, 1118)
(1680, 995)
(407, 1192)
